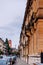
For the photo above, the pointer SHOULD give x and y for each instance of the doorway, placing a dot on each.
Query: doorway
(42, 57)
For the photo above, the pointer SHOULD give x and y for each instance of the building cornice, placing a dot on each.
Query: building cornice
(29, 3)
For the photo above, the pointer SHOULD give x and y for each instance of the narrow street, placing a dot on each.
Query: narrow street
(20, 62)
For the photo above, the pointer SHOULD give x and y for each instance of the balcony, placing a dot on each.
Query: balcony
(21, 44)
(27, 30)
(40, 12)
(40, 8)
(28, 33)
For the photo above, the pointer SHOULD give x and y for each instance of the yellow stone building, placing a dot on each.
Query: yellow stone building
(31, 37)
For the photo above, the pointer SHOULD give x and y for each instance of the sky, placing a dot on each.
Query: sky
(11, 19)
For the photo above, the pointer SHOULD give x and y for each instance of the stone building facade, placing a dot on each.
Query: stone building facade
(2, 46)
(31, 37)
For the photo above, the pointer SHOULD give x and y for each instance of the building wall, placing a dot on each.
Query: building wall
(10, 43)
(21, 51)
(26, 50)
(40, 35)
(2, 45)
(36, 40)
(31, 47)
(35, 35)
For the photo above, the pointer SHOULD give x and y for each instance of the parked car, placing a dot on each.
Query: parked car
(3, 60)
(11, 60)
(1, 57)
(14, 59)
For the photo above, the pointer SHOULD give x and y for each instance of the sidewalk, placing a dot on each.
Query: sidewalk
(20, 62)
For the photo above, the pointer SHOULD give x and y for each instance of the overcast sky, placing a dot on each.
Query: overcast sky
(11, 19)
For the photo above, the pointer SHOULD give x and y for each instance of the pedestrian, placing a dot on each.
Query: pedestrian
(10, 61)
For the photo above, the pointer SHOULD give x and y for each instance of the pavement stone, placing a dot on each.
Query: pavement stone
(20, 62)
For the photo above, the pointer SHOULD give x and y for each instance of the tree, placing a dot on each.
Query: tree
(7, 46)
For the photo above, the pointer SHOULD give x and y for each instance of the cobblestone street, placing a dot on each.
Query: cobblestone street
(20, 62)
